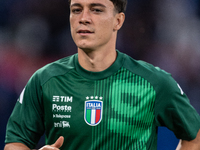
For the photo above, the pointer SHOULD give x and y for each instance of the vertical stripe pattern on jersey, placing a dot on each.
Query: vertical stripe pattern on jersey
(128, 101)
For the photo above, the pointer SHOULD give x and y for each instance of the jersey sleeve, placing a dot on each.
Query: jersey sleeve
(26, 123)
(173, 109)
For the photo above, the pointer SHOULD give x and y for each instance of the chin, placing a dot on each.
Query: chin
(86, 50)
(85, 47)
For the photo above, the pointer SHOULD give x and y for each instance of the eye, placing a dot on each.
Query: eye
(76, 10)
(96, 10)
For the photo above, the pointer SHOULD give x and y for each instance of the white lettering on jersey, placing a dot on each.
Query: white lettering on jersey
(62, 124)
(55, 98)
(61, 108)
(62, 99)
(61, 116)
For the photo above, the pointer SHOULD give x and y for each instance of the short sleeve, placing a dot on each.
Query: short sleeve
(173, 109)
(26, 123)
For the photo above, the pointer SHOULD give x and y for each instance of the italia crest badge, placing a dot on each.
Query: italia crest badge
(93, 111)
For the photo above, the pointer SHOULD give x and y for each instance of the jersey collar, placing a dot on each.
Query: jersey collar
(103, 74)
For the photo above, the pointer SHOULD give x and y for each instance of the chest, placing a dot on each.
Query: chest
(119, 101)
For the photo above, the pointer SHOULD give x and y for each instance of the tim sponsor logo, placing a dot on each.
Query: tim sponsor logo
(62, 99)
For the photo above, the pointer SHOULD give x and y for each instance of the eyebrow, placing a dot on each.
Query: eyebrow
(91, 5)
(97, 4)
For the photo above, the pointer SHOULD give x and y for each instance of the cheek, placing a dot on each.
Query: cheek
(106, 27)
(72, 24)
(108, 23)
(72, 29)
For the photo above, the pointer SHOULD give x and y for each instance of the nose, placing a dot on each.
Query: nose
(85, 17)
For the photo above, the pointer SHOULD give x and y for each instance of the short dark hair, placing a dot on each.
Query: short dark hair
(120, 5)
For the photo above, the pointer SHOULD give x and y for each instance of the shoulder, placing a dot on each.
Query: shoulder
(161, 80)
(57, 68)
(145, 70)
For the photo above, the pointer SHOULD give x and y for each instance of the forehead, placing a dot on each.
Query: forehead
(106, 3)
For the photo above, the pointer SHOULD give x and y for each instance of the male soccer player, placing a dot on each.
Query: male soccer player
(100, 98)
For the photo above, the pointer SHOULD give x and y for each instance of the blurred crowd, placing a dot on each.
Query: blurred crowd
(165, 33)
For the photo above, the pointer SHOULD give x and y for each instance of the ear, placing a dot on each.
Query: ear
(120, 17)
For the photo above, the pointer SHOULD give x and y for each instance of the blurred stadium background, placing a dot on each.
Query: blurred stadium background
(33, 33)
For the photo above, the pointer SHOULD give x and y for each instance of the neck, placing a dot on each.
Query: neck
(96, 60)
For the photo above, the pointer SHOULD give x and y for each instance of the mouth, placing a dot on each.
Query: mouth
(84, 32)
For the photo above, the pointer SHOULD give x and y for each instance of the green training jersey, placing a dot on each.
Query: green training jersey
(118, 108)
